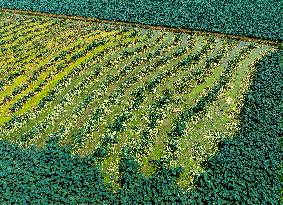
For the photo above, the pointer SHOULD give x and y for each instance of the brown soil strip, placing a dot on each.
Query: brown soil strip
(138, 25)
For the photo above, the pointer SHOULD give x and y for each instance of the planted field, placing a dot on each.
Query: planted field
(158, 98)
(263, 19)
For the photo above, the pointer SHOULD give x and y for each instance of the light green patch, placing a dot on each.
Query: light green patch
(51, 83)
(220, 121)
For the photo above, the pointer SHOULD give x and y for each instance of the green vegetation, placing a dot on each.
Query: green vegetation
(140, 107)
(253, 18)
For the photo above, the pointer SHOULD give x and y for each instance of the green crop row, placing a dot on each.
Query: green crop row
(137, 116)
(239, 17)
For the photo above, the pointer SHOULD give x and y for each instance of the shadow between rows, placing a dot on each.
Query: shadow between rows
(246, 169)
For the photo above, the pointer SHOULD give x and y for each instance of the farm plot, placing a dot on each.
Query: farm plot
(261, 19)
(158, 96)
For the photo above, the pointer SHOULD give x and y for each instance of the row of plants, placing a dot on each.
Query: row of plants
(55, 57)
(44, 78)
(88, 99)
(75, 75)
(98, 71)
(180, 101)
(217, 121)
(126, 94)
(153, 94)
(122, 89)
(33, 71)
(181, 122)
(23, 32)
(6, 34)
(62, 83)
(233, 17)
(20, 71)
(34, 51)
(117, 126)
(148, 100)
(83, 96)
(26, 51)
(46, 52)
(110, 79)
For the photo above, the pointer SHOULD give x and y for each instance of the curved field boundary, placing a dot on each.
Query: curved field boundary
(249, 18)
(140, 102)
(275, 42)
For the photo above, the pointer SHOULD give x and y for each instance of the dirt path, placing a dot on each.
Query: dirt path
(116, 23)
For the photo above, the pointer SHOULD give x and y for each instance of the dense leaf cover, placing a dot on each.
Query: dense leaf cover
(247, 168)
(241, 17)
(245, 171)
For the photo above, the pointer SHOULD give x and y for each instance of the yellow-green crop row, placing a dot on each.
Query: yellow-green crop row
(164, 95)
